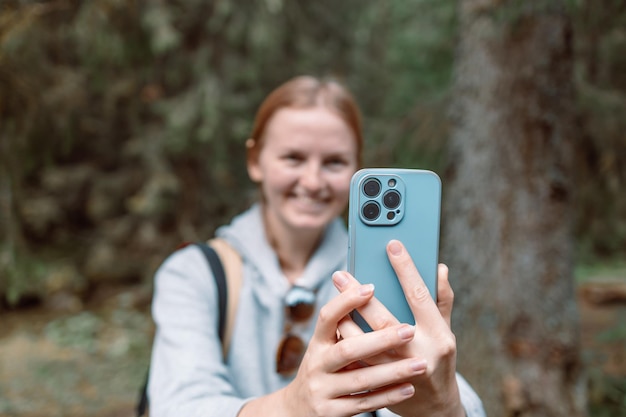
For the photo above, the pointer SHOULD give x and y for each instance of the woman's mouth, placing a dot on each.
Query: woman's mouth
(309, 204)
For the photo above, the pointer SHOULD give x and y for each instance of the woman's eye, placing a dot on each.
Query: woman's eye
(336, 162)
(293, 157)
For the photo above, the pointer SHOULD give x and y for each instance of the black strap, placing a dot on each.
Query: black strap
(220, 281)
(142, 404)
(222, 296)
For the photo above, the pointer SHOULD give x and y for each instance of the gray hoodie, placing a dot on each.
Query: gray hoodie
(188, 375)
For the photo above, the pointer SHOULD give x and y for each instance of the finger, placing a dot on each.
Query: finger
(374, 312)
(339, 307)
(344, 280)
(372, 378)
(348, 328)
(445, 295)
(417, 294)
(368, 345)
(368, 402)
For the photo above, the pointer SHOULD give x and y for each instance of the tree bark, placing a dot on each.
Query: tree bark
(508, 209)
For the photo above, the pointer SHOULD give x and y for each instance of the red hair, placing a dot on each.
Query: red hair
(304, 92)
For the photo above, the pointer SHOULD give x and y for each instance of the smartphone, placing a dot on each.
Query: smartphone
(386, 204)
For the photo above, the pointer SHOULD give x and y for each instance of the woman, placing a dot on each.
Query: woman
(305, 145)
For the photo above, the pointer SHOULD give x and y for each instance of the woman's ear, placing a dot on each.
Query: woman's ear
(254, 171)
(252, 161)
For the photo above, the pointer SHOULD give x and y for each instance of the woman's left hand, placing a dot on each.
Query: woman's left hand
(436, 391)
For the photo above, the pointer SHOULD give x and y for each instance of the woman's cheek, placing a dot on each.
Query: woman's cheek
(343, 194)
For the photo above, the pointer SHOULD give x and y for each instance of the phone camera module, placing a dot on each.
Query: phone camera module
(371, 211)
(371, 188)
(391, 199)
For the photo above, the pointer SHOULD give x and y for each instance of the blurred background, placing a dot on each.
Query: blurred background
(122, 130)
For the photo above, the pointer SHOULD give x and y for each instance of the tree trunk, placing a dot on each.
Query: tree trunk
(508, 209)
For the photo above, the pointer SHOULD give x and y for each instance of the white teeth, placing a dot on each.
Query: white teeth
(309, 201)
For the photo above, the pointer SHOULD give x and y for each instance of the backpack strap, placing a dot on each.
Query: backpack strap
(232, 265)
(219, 275)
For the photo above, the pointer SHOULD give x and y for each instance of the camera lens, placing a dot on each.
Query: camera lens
(371, 188)
(391, 199)
(371, 210)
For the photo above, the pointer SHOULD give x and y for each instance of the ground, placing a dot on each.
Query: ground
(93, 361)
(86, 363)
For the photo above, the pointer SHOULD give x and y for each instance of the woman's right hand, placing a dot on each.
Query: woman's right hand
(330, 381)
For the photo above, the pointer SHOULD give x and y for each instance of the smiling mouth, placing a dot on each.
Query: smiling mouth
(309, 204)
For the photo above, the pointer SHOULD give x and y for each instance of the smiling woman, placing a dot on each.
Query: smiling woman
(285, 356)
(305, 145)
(304, 172)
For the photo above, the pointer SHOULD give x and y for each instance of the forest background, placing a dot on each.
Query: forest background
(122, 129)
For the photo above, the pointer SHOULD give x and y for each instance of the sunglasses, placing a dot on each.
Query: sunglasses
(299, 308)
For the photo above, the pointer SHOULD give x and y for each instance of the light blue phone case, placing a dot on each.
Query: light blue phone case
(377, 215)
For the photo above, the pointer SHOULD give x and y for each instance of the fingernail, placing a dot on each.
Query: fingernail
(340, 279)
(418, 365)
(406, 332)
(366, 289)
(395, 248)
(407, 391)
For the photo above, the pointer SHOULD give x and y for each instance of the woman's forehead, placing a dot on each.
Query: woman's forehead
(291, 127)
(312, 120)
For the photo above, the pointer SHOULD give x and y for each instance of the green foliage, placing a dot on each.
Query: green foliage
(87, 332)
(163, 94)
(402, 80)
(607, 395)
(601, 85)
(610, 270)
(78, 331)
(24, 276)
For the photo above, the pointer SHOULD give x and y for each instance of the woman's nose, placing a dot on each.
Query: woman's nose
(312, 176)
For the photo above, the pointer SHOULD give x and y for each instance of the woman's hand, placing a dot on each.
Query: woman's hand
(329, 381)
(436, 390)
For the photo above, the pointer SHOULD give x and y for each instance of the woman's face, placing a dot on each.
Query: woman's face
(304, 168)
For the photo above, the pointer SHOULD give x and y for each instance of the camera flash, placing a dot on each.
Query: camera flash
(392, 182)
